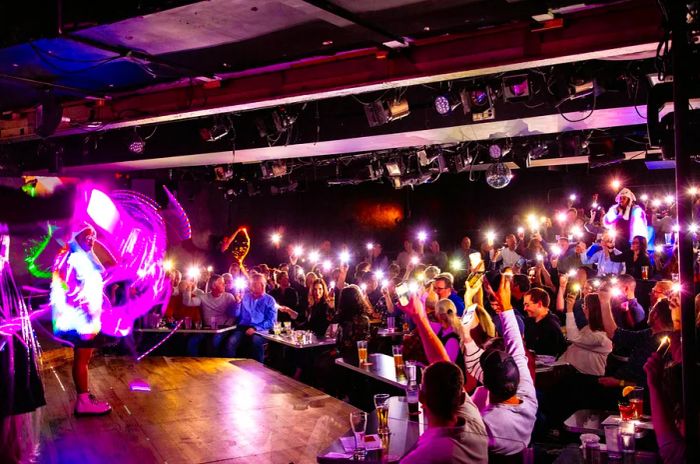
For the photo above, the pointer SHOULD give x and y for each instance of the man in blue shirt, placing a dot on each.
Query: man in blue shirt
(443, 287)
(256, 312)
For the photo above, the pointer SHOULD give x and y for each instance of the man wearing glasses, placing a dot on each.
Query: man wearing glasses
(443, 287)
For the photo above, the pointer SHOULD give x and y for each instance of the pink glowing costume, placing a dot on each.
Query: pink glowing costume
(132, 236)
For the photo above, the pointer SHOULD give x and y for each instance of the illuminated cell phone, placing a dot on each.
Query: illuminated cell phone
(468, 315)
(474, 259)
(402, 292)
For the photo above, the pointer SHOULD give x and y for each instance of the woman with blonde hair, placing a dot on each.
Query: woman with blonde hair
(449, 330)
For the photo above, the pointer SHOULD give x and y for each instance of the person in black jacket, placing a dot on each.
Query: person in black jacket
(542, 330)
(635, 258)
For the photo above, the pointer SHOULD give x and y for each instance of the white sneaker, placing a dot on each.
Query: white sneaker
(88, 405)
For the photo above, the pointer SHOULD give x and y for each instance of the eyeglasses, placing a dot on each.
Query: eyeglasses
(439, 288)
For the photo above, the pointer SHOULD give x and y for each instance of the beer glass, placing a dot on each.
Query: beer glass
(362, 351)
(381, 402)
(397, 351)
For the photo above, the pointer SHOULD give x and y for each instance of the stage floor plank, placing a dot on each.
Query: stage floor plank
(198, 410)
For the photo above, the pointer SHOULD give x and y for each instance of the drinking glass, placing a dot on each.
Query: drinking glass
(288, 326)
(645, 272)
(390, 323)
(198, 325)
(212, 323)
(381, 402)
(612, 441)
(277, 328)
(362, 351)
(358, 422)
(591, 448)
(627, 411)
(627, 442)
(188, 323)
(397, 351)
(636, 397)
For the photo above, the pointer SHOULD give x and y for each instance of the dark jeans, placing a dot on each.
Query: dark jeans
(239, 337)
(213, 347)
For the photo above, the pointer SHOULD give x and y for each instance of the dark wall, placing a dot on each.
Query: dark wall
(449, 208)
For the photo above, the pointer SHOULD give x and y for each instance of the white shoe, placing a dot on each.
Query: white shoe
(88, 405)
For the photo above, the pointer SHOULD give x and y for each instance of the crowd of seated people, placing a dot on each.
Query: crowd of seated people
(579, 297)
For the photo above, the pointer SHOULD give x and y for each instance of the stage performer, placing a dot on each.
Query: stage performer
(77, 298)
(626, 218)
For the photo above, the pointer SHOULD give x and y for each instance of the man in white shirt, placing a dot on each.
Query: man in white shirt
(456, 433)
(508, 255)
(508, 403)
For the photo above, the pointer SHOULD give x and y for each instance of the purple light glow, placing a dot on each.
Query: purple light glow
(102, 210)
(139, 385)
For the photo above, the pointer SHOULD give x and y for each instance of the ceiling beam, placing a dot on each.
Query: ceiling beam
(590, 34)
(495, 130)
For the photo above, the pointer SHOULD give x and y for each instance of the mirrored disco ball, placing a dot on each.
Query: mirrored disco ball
(498, 175)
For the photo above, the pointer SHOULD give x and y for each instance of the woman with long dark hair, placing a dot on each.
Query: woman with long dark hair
(635, 258)
(353, 322)
(590, 346)
(319, 313)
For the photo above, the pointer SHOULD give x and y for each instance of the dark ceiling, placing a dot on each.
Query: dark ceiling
(164, 70)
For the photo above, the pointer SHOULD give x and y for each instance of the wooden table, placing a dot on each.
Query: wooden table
(380, 367)
(288, 341)
(204, 330)
(198, 410)
(404, 436)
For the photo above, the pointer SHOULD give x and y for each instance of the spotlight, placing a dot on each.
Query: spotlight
(692, 191)
(572, 197)
(422, 236)
(314, 256)
(521, 230)
(497, 152)
(384, 111)
(561, 216)
(215, 132)
(327, 265)
(136, 143)
(615, 184)
(693, 228)
(490, 237)
(344, 257)
(193, 272)
(379, 274)
(516, 88)
(479, 103)
(223, 173)
(168, 265)
(498, 175)
(298, 250)
(644, 197)
(447, 103)
(414, 260)
(522, 158)
(240, 284)
(676, 228)
(659, 248)
(370, 246)
(393, 168)
(656, 203)
(669, 199)
(456, 265)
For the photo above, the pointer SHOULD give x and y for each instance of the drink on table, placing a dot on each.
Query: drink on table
(288, 326)
(627, 411)
(390, 324)
(645, 272)
(187, 323)
(381, 402)
(212, 323)
(358, 422)
(397, 351)
(362, 351)
(277, 328)
(412, 389)
(636, 397)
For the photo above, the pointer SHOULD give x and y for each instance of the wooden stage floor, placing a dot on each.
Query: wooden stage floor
(198, 410)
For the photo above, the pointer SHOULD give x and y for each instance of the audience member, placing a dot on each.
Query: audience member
(542, 330)
(256, 312)
(590, 346)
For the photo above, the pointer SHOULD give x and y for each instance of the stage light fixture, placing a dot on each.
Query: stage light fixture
(393, 168)
(223, 173)
(217, 131)
(136, 143)
(479, 103)
(273, 169)
(498, 151)
(447, 102)
(383, 111)
(522, 158)
(516, 88)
